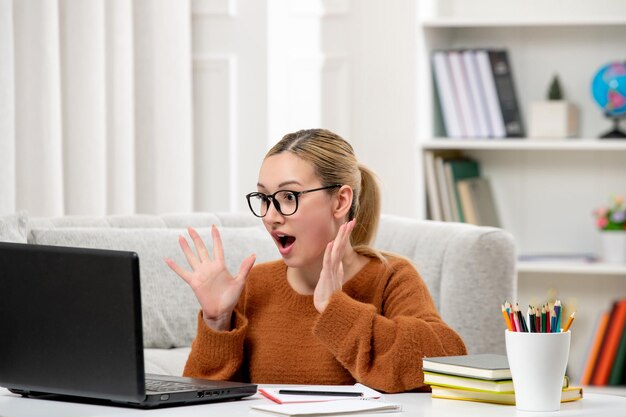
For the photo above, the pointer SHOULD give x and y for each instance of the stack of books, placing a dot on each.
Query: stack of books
(605, 361)
(482, 378)
(456, 190)
(476, 93)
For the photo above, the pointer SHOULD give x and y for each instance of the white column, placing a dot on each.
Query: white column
(38, 108)
(84, 106)
(163, 106)
(7, 109)
(120, 111)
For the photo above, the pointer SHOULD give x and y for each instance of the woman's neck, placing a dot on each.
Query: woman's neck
(304, 279)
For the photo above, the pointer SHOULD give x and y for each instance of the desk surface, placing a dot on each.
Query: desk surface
(414, 405)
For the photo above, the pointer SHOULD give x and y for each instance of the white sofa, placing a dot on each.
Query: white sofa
(469, 270)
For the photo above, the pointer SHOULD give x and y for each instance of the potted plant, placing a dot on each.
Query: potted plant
(553, 118)
(611, 221)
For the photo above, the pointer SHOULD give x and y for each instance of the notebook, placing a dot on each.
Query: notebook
(330, 408)
(71, 327)
(485, 366)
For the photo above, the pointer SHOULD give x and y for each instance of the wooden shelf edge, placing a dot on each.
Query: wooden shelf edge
(608, 390)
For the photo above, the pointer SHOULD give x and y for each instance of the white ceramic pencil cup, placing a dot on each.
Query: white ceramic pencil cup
(537, 362)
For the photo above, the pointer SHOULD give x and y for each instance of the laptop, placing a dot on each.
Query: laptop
(70, 328)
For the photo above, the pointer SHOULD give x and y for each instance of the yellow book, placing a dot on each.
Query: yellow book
(475, 384)
(505, 398)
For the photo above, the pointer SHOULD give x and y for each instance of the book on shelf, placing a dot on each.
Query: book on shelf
(442, 170)
(593, 350)
(444, 193)
(477, 202)
(501, 75)
(477, 93)
(610, 344)
(432, 189)
(434, 172)
(447, 95)
(463, 93)
(618, 373)
(458, 169)
(506, 398)
(485, 366)
(494, 114)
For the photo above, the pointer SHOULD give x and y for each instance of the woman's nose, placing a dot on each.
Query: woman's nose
(273, 215)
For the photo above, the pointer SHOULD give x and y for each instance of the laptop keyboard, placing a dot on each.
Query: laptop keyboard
(156, 385)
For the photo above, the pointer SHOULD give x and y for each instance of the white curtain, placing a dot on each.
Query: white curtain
(95, 107)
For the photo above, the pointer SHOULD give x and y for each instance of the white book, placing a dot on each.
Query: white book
(446, 204)
(454, 208)
(462, 88)
(494, 111)
(447, 95)
(477, 94)
(330, 408)
(432, 191)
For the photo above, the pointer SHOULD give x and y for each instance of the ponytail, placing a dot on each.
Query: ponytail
(367, 215)
(367, 210)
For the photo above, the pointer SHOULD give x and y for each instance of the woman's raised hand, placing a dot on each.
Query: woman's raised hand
(331, 277)
(215, 288)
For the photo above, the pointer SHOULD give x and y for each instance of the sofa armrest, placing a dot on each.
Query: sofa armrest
(469, 271)
(478, 274)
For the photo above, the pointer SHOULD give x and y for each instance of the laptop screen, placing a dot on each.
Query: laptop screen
(70, 321)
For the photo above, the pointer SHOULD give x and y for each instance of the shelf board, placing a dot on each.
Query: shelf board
(586, 144)
(607, 390)
(571, 268)
(464, 22)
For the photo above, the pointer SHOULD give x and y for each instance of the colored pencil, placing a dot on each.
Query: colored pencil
(506, 319)
(569, 322)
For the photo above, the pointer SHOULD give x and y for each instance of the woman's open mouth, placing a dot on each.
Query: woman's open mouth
(285, 242)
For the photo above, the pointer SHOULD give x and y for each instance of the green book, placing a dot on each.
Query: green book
(461, 169)
(619, 363)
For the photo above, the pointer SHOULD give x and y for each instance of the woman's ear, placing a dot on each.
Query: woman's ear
(343, 202)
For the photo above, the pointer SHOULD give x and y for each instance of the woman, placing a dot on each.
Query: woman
(333, 310)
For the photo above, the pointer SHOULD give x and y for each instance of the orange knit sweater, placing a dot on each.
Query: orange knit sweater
(375, 331)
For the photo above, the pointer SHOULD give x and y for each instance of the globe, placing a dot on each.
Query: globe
(609, 91)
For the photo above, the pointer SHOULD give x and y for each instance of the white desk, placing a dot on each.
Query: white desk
(414, 405)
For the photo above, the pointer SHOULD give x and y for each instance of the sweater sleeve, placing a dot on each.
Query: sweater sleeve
(383, 347)
(218, 355)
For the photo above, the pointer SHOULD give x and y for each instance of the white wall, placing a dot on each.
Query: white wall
(230, 100)
(118, 107)
(349, 66)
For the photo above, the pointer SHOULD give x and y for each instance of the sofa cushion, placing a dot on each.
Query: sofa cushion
(13, 227)
(169, 306)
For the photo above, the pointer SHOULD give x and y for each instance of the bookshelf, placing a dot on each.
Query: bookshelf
(545, 189)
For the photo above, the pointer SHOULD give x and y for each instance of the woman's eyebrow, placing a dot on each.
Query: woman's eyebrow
(282, 184)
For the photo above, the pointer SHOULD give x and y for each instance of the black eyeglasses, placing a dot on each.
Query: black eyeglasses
(285, 201)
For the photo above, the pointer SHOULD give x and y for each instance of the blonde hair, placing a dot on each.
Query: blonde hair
(334, 162)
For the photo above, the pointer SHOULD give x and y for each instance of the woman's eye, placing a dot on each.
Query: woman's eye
(286, 197)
